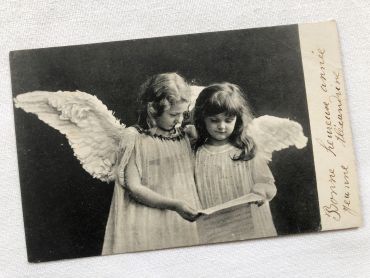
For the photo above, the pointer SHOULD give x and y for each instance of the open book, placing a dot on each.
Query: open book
(228, 221)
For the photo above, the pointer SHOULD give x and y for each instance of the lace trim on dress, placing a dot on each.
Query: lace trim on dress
(219, 149)
(177, 135)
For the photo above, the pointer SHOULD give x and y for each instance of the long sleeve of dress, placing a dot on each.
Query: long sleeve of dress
(114, 241)
(261, 172)
(262, 218)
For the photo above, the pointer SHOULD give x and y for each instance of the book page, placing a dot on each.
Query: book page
(229, 221)
(231, 205)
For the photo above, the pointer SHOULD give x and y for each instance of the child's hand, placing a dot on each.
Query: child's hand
(266, 190)
(187, 212)
(191, 131)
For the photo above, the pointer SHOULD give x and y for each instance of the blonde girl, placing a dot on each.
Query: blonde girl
(156, 198)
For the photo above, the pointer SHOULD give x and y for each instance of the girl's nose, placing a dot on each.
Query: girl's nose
(221, 125)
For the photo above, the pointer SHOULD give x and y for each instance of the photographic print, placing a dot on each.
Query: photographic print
(183, 140)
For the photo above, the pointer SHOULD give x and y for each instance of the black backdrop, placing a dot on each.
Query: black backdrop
(65, 210)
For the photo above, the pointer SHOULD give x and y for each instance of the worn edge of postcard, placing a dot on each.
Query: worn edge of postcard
(334, 157)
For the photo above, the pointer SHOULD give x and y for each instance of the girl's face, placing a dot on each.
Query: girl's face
(173, 116)
(220, 127)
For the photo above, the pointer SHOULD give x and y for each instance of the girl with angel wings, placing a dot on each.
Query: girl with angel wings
(155, 198)
(232, 151)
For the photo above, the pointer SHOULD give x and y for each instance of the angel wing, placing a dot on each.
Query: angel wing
(273, 134)
(194, 93)
(91, 129)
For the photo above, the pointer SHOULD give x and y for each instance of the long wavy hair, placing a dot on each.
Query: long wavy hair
(225, 98)
(158, 93)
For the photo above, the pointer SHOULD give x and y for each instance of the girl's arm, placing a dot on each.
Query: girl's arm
(264, 182)
(145, 196)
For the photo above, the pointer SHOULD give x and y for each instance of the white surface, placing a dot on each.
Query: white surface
(34, 24)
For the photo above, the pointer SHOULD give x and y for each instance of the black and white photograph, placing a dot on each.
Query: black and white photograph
(184, 138)
(173, 141)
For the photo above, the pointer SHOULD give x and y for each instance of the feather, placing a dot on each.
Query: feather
(273, 134)
(194, 93)
(93, 132)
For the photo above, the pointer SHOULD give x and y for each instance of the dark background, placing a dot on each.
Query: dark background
(65, 210)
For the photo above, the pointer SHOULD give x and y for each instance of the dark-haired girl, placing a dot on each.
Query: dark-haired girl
(226, 166)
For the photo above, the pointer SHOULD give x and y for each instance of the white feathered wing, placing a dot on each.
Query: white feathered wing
(274, 134)
(194, 93)
(94, 134)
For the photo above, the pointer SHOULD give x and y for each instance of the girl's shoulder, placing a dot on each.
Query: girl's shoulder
(128, 137)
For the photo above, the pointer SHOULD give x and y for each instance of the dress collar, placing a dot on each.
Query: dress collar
(219, 149)
(153, 132)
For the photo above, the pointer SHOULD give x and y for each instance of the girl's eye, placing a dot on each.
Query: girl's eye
(214, 121)
(230, 120)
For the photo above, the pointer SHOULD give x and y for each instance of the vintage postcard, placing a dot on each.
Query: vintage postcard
(184, 140)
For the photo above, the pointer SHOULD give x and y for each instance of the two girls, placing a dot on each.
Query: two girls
(155, 198)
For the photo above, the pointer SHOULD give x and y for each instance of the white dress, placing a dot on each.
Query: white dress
(166, 166)
(220, 179)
